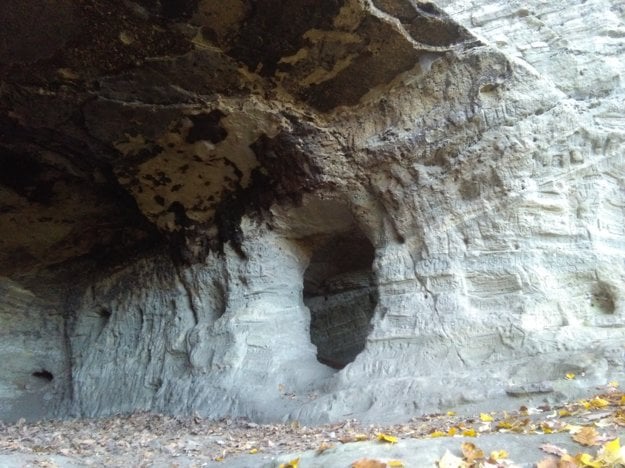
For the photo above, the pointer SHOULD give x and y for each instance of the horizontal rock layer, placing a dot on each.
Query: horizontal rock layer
(312, 210)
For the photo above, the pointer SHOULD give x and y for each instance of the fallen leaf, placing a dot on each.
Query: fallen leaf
(323, 447)
(451, 413)
(613, 384)
(548, 463)
(563, 413)
(387, 438)
(452, 431)
(569, 376)
(253, 451)
(469, 433)
(395, 464)
(499, 455)
(292, 464)
(353, 438)
(504, 425)
(612, 453)
(567, 461)
(572, 428)
(471, 452)
(449, 460)
(553, 450)
(587, 460)
(587, 436)
(368, 463)
(437, 434)
(598, 402)
(485, 417)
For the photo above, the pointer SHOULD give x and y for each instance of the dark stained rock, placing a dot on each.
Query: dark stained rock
(308, 210)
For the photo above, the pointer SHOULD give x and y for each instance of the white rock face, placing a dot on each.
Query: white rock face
(32, 352)
(482, 196)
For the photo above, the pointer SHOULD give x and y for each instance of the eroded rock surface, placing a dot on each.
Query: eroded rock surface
(309, 210)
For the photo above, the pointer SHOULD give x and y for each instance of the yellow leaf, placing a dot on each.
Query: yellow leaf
(611, 453)
(395, 464)
(614, 446)
(219, 459)
(253, 451)
(451, 413)
(597, 402)
(452, 431)
(471, 452)
(613, 384)
(437, 434)
(485, 417)
(587, 460)
(586, 436)
(570, 376)
(622, 402)
(469, 432)
(361, 437)
(546, 428)
(564, 413)
(504, 425)
(292, 464)
(499, 455)
(387, 438)
(585, 404)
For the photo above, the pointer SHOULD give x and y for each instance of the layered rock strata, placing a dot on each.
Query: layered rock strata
(309, 210)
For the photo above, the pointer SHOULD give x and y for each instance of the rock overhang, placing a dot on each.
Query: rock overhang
(206, 128)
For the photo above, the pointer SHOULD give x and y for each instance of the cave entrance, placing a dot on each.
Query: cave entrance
(340, 291)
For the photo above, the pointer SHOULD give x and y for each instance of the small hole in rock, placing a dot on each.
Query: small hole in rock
(105, 313)
(44, 375)
(602, 298)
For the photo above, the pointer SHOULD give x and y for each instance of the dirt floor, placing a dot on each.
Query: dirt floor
(584, 433)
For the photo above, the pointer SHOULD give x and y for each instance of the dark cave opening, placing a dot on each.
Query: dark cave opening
(341, 294)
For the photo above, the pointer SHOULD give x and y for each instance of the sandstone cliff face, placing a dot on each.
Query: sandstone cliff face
(309, 210)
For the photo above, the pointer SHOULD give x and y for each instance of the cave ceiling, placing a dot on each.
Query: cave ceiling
(126, 124)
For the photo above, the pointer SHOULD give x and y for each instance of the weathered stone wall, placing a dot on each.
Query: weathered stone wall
(472, 154)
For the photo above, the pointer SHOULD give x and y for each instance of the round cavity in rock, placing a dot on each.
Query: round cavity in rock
(602, 299)
(340, 292)
(44, 375)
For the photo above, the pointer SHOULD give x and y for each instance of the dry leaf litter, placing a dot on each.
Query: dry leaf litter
(593, 423)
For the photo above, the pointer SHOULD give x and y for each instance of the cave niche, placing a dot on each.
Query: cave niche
(341, 294)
